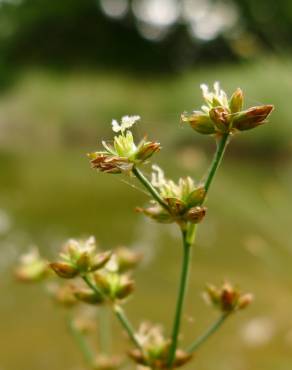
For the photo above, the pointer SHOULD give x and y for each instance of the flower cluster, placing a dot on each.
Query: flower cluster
(183, 200)
(106, 274)
(123, 154)
(221, 115)
(79, 258)
(226, 298)
(156, 347)
(103, 362)
(32, 267)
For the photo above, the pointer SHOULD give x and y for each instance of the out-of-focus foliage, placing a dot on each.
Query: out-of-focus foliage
(145, 34)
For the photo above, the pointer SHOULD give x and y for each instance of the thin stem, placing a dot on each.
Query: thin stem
(221, 146)
(82, 343)
(91, 285)
(127, 325)
(189, 236)
(147, 184)
(181, 297)
(210, 331)
(119, 313)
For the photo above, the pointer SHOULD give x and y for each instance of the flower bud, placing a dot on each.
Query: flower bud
(244, 301)
(236, 101)
(102, 283)
(32, 268)
(196, 214)
(100, 260)
(157, 213)
(196, 197)
(64, 270)
(199, 121)
(127, 259)
(103, 362)
(88, 296)
(252, 117)
(221, 117)
(63, 294)
(176, 206)
(227, 298)
(146, 150)
(125, 289)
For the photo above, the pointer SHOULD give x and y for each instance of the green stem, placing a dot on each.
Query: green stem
(91, 285)
(119, 313)
(181, 297)
(221, 146)
(189, 236)
(210, 331)
(82, 343)
(127, 325)
(147, 184)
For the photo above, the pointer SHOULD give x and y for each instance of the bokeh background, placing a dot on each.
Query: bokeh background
(66, 69)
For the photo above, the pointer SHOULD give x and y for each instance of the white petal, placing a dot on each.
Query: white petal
(115, 126)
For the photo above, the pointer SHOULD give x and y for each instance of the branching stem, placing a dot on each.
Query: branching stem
(210, 331)
(188, 237)
(151, 189)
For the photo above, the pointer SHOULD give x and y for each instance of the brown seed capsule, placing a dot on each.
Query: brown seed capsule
(88, 296)
(252, 117)
(221, 117)
(147, 150)
(64, 270)
(196, 214)
(125, 289)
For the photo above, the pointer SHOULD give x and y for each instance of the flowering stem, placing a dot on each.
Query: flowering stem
(127, 325)
(147, 184)
(82, 343)
(181, 297)
(210, 331)
(188, 240)
(221, 146)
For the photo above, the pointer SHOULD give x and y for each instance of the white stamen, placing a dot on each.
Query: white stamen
(126, 122)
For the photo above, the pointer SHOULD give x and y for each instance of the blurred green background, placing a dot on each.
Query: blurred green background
(66, 69)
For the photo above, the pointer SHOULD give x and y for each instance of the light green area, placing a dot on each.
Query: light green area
(49, 193)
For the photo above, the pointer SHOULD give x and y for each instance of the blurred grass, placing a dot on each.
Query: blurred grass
(48, 193)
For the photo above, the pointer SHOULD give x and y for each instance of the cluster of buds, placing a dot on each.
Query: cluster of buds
(32, 267)
(104, 362)
(63, 294)
(183, 200)
(123, 154)
(110, 285)
(221, 115)
(155, 353)
(227, 298)
(79, 258)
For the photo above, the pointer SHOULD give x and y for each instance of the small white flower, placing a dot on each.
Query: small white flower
(217, 93)
(126, 122)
